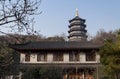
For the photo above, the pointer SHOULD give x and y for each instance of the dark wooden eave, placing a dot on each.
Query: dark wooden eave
(63, 65)
(60, 45)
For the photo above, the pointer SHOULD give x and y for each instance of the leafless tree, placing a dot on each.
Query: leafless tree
(102, 35)
(17, 14)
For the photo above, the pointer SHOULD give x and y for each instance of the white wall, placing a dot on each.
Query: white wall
(49, 57)
(22, 57)
(97, 57)
(66, 57)
(33, 58)
(82, 57)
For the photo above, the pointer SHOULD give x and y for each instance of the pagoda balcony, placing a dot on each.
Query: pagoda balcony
(77, 29)
(80, 22)
(76, 35)
(77, 24)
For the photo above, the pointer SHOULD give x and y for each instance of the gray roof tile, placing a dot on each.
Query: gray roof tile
(55, 45)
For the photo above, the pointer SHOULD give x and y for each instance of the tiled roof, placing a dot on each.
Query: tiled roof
(77, 18)
(55, 45)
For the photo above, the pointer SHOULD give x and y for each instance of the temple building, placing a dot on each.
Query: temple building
(77, 56)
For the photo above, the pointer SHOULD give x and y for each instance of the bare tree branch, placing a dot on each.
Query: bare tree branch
(16, 13)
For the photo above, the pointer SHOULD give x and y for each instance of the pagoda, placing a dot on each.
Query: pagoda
(77, 30)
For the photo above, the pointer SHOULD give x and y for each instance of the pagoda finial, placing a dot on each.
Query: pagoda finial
(77, 12)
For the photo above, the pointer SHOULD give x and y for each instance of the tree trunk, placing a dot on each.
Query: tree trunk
(116, 75)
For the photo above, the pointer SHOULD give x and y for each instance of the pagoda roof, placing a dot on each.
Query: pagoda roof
(49, 45)
(77, 18)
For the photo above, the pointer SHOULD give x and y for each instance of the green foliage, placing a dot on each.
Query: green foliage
(110, 57)
(6, 59)
(30, 73)
(105, 78)
(42, 73)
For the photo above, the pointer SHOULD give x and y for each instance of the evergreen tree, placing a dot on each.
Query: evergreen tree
(110, 57)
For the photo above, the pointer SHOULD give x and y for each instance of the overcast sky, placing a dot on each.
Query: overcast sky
(99, 14)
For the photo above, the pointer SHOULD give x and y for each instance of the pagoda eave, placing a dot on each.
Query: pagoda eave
(76, 18)
(76, 24)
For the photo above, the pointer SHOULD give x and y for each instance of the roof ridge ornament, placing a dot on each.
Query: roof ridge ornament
(77, 12)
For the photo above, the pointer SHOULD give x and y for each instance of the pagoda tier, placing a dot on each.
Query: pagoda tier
(76, 24)
(77, 35)
(77, 30)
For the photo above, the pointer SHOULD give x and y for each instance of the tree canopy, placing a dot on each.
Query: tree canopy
(110, 57)
(43, 73)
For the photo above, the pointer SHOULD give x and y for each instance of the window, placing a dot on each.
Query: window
(57, 57)
(90, 56)
(27, 57)
(73, 56)
(42, 57)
